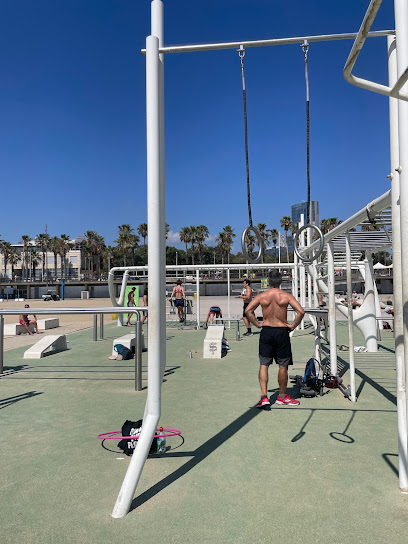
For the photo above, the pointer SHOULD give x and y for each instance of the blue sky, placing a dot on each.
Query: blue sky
(72, 114)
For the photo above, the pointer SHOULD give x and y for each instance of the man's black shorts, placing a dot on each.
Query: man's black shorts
(274, 343)
(245, 307)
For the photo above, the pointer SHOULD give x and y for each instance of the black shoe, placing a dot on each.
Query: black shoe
(249, 333)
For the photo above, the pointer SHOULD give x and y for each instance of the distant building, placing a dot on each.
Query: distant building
(298, 209)
(29, 268)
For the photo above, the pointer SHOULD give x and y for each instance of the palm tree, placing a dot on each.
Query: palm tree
(202, 235)
(274, 235)
(63, 250)
(222, 244)
(95, 244)
(35, 261)
(14, 259)
(125, 240)
(142, 230)
(229, 239)
(250, 242)
(369, 227)
(53, 245)
(185, 236)
(6, 249)
(225, 240)
(26, 240)
(286, 224)
(42, 241)
(108, 253)
(333, 222)
(264, 236)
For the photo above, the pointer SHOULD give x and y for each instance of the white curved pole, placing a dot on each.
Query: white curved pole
(332, 309)
(397, 279)
(401, 28)
(157, 275)
(350, 320)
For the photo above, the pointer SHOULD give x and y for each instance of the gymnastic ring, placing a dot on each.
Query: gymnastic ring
(255, 230)
(321, 246)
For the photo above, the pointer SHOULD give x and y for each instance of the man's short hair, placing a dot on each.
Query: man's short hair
(248, 282)
(275, 278)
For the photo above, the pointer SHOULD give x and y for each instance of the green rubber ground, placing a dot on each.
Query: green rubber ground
(325, 471)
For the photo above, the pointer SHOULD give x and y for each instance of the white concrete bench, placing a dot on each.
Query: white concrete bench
(213, 342)
(48, 323)
(55, 342)
(12, 329)
(129, 341)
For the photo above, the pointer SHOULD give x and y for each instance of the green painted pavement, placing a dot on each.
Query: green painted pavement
(324, 470)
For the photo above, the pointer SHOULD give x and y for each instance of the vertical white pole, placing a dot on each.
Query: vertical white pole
(350, 319)
(279, 246)
(296, 277)
(229, 293)
(198, 298)
(157, 25)
(302, 275)
(309, 276)
(157, 270)
(332, 309)
(397, 271)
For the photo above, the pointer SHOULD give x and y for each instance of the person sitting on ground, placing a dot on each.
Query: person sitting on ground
(26, 322)
(178, 293)
(354, 302)
(355, 295)
(214, 311)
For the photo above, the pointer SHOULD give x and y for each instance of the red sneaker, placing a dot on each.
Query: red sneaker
(287, 401)
(263, 402)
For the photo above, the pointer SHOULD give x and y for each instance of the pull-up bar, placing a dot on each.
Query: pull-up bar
(262, 43)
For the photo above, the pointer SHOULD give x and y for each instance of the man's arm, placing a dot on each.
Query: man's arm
(250, 312)
(299, 313)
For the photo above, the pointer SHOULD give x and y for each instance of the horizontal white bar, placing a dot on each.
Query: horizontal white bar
(263, 43)
(62, 311)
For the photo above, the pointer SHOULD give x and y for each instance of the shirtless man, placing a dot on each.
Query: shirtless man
(246, 297)
(274, 341)
(178, 293)
(26, 322)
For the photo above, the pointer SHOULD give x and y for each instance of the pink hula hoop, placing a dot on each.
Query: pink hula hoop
(104, 436)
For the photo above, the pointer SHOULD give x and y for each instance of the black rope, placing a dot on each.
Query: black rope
(241, 53)
(305, 48)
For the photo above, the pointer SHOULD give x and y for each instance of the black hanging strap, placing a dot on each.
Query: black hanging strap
(305, 49)
(241, 52)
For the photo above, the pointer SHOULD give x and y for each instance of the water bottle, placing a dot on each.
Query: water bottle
(161, 442)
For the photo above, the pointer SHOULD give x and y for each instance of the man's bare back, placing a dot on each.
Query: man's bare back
(274, 303)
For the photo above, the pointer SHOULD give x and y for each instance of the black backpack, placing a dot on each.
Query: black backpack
(133, 428)
(124, 351)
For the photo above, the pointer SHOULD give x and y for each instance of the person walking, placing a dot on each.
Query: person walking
(131, 303)
(274, 340)
(178, 293)
(145, 303)
(246, 297)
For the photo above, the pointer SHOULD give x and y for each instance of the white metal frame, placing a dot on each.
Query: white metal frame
(395, 89)
(156, 206)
